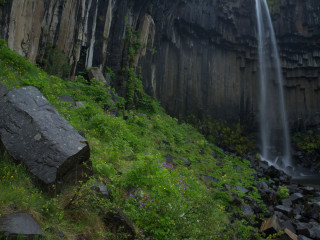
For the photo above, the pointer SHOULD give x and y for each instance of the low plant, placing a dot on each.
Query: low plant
(308, 143)
(283, 192)
(226, 137)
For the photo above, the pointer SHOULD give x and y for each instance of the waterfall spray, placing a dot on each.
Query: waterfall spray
(274, 128)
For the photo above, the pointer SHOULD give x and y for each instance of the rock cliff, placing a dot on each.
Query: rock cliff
(197, 57)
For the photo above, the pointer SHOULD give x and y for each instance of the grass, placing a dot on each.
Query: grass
(163, 201)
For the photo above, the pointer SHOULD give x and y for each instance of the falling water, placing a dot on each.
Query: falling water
(273, 120)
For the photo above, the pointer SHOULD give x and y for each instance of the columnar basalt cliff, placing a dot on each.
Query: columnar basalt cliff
(197, 57)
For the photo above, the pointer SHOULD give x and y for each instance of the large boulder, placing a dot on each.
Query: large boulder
(34, 133)
(19, 224)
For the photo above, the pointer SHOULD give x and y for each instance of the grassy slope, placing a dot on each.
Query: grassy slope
(163, 201)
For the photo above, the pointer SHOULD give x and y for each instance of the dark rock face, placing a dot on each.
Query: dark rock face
(3, 90)
(20, 223)
(197, 57)
(117, 221)
(34, 133)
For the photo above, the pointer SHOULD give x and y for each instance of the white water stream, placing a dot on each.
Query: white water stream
(275, 139)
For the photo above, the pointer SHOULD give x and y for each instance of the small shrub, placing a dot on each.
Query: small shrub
(283, 192)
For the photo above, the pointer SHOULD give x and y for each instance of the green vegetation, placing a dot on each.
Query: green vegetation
(163, 200)
(283, 192)
(274, 6)
(55, 62)
(226, 137)
(308, 144)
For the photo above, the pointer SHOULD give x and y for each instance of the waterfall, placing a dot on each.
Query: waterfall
(274, 128)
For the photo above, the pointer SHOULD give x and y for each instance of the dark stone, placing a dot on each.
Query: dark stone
(246, 210)
(3, 90)
(236, 200)
(256, 208)
(278, 214)
(242, 189)
(143, 115)
(169, 158)
(297, 209)
(271, 226)
(301, 237)
(263, 165)
(308, 190)
(262, 186)
(286, 202)
(272, 172)
(34, 133)
(311, 214)
(238, 167)
(286, 210)
(209, 178)
(102, 190)
(186, 161)
(22, 224)
(296, 197)
(288, 224)
(68, 99)
(294, 188)
(269, 196)
(311, 229)
(117, 222)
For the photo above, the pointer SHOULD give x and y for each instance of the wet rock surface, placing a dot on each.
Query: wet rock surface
(221, 33)
(34, 133)
(298, 214)
(21, 224)
(118, 221)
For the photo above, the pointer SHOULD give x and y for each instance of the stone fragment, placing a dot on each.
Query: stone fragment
(288, 225)
(290, 234)
(308, 190)
(68, 99)
(262, 186)
(286, 210)
(242, 189)
(311, 229)
(117, 222)
(80, 104)
(101, 190)
(96, 74)
(271, 225)
(301, 237)
(296, 197)
(186, 161)
(34, 133)
(21, 224)
(286, 202)
(209, 178)
(269, 197)
(247, 210)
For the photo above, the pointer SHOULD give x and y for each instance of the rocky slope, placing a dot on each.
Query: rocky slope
(197, 56)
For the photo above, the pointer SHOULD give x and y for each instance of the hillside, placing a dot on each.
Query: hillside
(163, 175)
